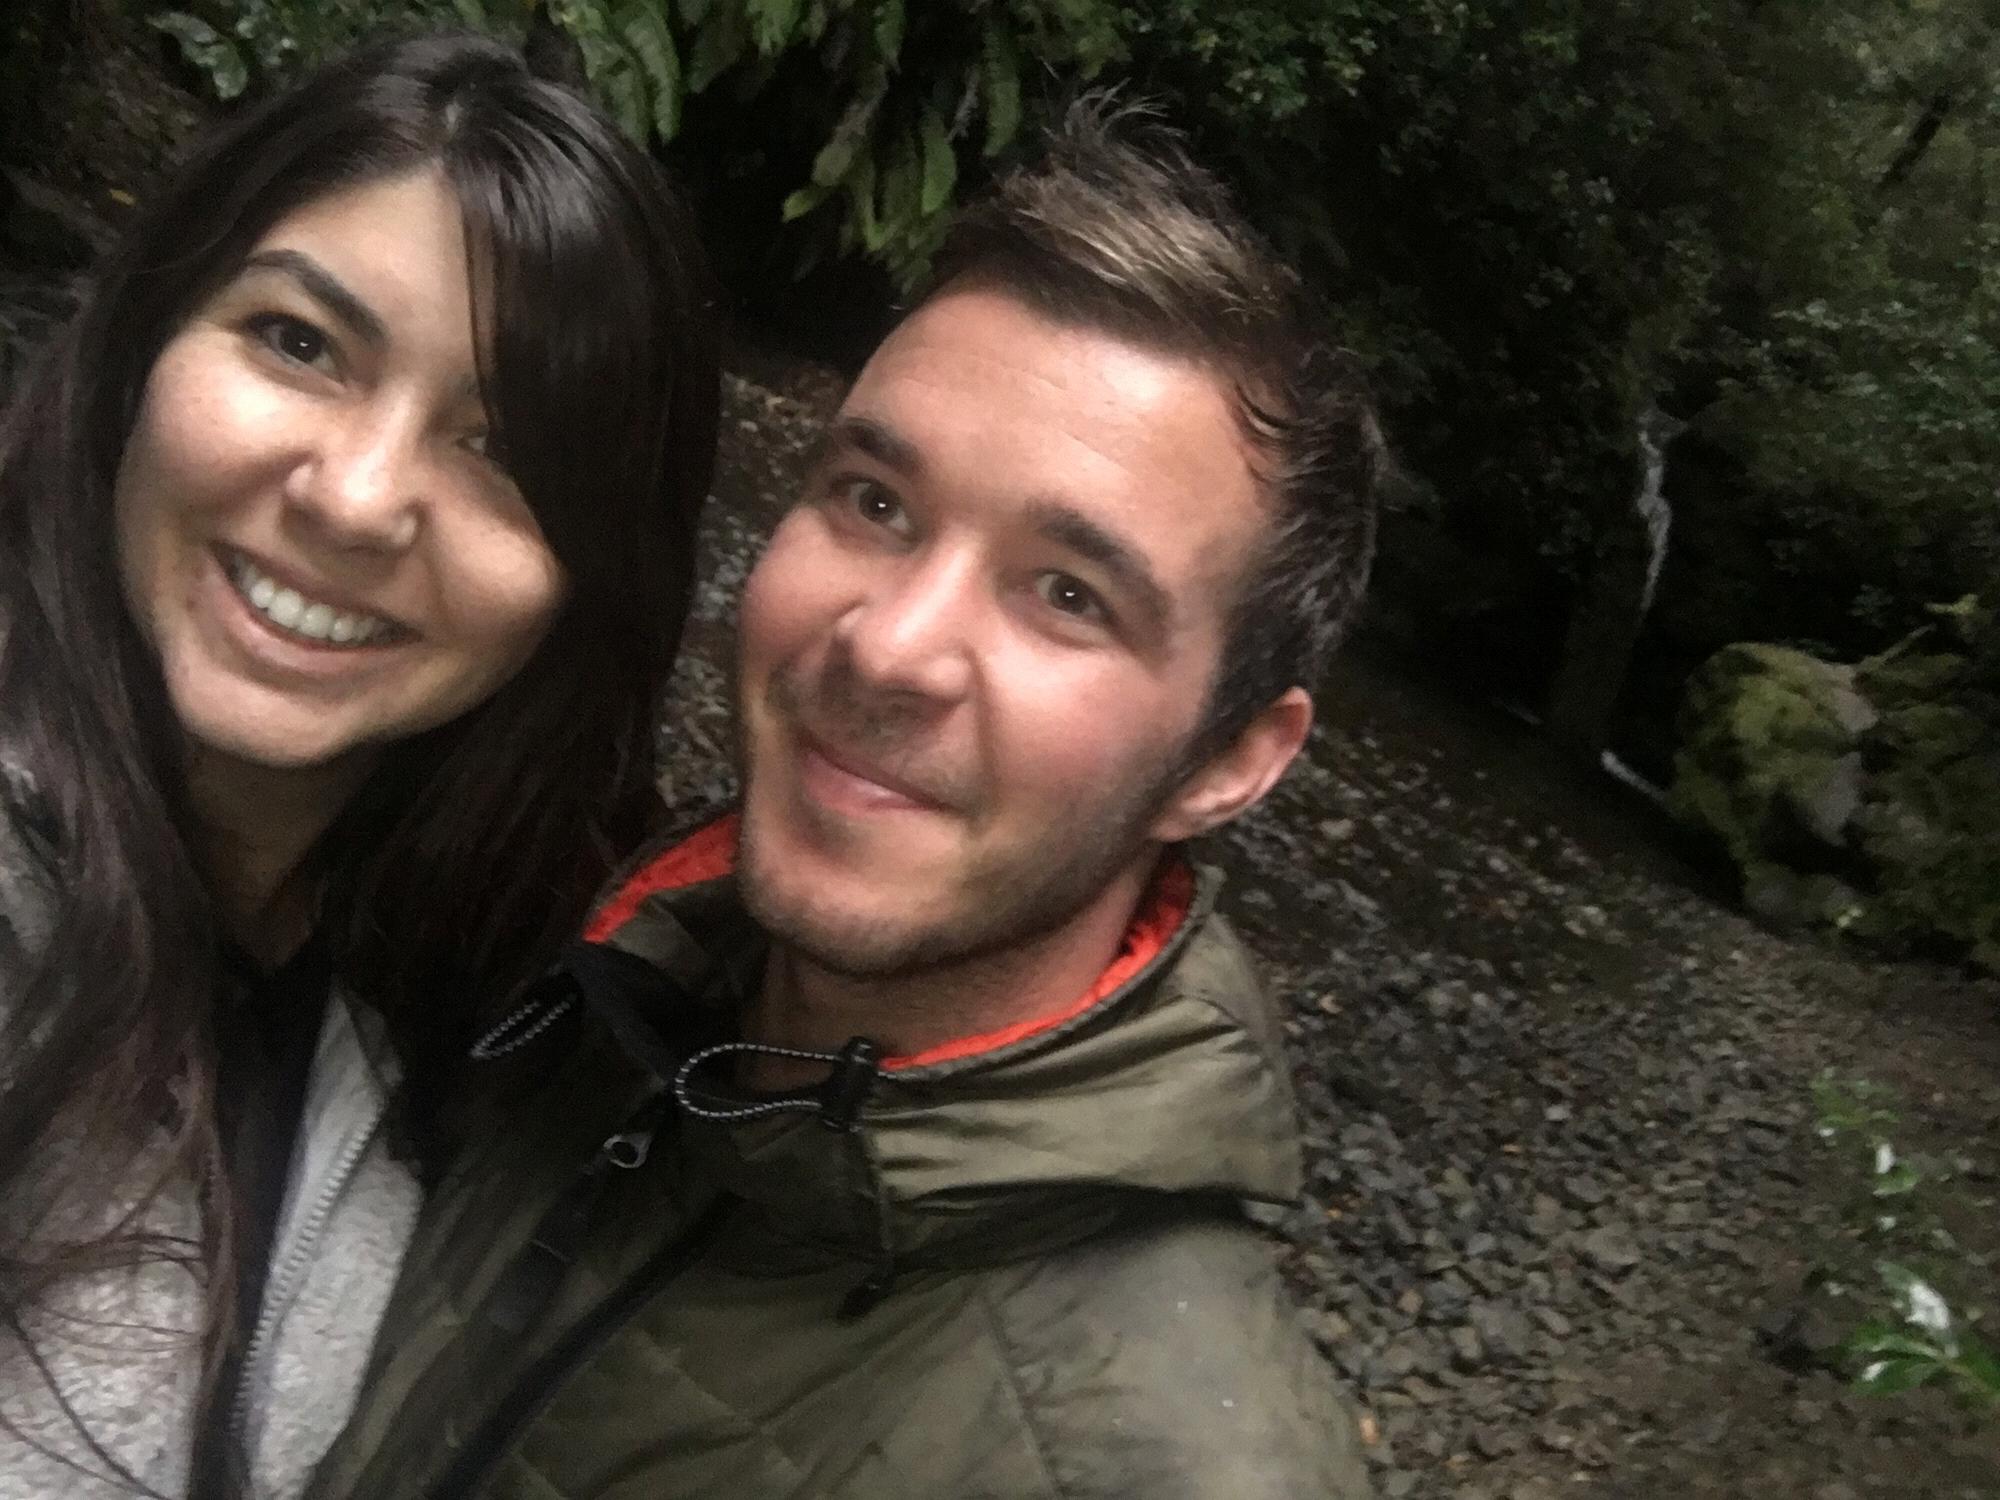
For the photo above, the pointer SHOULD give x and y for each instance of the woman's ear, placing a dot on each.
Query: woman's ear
(1237, 776)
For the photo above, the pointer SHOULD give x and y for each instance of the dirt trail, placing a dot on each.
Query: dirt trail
(1560, 1099)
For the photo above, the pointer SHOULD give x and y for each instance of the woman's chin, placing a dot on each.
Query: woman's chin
(302, 742)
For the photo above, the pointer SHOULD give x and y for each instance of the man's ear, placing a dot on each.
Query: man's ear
(1239, 774)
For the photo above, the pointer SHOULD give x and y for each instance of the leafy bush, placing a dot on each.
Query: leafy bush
(235, 42)
(1887, 404)
(886, 96)
(1919, 1322)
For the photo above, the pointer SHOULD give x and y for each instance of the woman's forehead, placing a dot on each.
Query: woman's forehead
(384, 259)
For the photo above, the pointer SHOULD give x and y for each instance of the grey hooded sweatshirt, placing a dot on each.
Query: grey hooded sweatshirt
(104, 1393)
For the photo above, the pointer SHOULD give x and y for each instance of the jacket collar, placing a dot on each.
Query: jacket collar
(1166, 1078)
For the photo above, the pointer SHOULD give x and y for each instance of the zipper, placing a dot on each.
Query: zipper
(532, 1279)
(283, 1282)
(519, 1408)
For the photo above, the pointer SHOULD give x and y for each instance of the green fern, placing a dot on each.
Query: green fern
(908, 96)
(773, 23)
(219, 58)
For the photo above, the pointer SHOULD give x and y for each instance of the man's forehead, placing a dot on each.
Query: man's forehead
(987, 363)
(1082, 433)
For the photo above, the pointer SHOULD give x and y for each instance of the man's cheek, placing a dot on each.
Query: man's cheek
(789, 600)
(1063, 756)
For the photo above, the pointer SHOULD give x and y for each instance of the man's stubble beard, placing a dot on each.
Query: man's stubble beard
(1007, 899)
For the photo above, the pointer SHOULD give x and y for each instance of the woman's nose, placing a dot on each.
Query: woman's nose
(362, 483)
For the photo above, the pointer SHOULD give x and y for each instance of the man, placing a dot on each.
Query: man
(929, 1085)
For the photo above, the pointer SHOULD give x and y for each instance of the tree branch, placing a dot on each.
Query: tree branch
(1928, 124)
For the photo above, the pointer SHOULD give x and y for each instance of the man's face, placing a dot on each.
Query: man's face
(975, 652)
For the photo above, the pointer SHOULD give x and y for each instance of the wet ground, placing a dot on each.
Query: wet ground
(1560, 1100)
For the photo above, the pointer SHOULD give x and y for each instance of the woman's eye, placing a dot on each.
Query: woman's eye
(294, 340)
(1070, 596)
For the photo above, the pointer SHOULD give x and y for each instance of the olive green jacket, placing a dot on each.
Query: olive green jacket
(1013, 1267)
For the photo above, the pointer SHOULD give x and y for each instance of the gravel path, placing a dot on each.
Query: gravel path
(1566, 1186)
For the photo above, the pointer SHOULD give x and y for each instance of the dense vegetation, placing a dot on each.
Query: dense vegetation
(1763, 222)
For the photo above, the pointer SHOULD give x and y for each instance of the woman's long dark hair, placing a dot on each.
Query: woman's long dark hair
(474, 849)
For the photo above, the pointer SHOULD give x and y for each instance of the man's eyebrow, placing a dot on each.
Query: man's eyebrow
(878, 441)
(324, 288)
(1127, 566)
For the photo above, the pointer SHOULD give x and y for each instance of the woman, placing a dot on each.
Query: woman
(345, 538)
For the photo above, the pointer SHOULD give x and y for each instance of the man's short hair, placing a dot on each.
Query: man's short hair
(1117, 229)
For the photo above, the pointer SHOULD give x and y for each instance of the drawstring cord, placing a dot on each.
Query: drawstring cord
(527, 1021)
(837, 1101)
(531, 1281)
(611, 982)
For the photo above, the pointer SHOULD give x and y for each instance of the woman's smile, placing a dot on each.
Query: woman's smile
(305, 613)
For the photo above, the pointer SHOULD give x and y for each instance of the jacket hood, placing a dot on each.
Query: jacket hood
(1166, 1079)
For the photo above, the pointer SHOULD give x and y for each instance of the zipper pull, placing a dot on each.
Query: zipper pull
(626, 1150)
(847, 1088)
(531, 1281)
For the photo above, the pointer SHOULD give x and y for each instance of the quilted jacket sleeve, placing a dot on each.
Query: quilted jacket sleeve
(1172, 1367)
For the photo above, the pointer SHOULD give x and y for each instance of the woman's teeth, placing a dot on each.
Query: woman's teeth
(292, 611)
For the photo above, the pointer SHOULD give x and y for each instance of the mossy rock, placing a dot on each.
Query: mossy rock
(1788, 900)
(1906, 674)
(1770, 752)
(1930, 826)
(1862, 799)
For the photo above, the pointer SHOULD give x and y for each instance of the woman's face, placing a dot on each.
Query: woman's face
(310, 532)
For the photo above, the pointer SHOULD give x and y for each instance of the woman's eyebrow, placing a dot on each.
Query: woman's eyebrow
(324, 288)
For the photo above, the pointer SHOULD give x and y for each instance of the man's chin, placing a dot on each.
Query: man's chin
(793, 874)
(851, 943)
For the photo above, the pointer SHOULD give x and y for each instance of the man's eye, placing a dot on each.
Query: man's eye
(1069, 595)
(293, 339)
(875, 504)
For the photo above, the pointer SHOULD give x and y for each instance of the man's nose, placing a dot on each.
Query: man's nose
(914, 632)
(362, 484)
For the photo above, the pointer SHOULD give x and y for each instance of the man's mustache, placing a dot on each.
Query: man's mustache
(871, 733)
